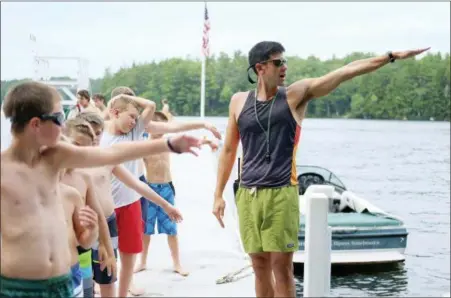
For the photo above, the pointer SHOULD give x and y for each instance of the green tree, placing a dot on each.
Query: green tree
(417, 89)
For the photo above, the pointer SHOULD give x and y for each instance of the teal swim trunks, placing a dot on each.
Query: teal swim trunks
(55, 287)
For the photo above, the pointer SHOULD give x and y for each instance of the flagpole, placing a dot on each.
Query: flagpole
(205, 53)
(202, 89)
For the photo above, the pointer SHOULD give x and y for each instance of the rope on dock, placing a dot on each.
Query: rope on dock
(234, 276)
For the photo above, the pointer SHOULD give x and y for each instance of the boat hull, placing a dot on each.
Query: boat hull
(362, 246)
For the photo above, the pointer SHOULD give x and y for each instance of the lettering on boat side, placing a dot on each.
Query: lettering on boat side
(355, 243)
(349, 244)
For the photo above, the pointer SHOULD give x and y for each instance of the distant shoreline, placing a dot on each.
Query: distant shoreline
(338, 118)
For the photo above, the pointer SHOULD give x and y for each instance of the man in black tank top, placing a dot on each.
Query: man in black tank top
(267, 121)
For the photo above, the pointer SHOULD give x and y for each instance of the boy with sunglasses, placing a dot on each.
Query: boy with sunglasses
(272, 115)
(35, 253)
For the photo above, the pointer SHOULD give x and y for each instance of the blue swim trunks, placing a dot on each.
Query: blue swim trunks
(77, 280)
(153, 214)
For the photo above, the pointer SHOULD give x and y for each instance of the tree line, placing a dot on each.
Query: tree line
(413, 89)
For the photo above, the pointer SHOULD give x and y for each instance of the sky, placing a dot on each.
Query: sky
(113, 34)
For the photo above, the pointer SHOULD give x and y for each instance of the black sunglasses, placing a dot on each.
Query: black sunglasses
(57, 118)
(277, 62)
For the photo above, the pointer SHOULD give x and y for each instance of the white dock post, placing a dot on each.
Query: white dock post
(318, 243)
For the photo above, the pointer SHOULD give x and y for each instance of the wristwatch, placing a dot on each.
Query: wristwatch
(391, 57)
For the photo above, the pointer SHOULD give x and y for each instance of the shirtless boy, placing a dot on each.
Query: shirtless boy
(79, 132)
(82, 228)
(127, 124)
(102, 179)
(158, 176)
(35, 257)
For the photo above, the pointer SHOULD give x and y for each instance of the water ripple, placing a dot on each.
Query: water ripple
(404, 168)
(391, 166)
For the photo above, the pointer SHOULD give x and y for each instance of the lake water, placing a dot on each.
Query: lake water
(404, 168)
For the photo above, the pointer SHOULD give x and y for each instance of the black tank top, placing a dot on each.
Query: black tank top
(284, 135)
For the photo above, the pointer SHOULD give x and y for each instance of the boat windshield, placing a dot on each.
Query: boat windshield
(328, 177)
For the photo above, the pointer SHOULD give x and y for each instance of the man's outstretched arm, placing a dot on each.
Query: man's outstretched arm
(306, 89)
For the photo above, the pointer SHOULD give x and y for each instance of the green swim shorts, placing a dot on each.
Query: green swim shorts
(269, 218)
(56, 287)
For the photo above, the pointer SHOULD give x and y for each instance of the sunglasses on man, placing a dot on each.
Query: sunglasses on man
(277, 63)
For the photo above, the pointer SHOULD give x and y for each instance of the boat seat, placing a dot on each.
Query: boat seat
(335, 203)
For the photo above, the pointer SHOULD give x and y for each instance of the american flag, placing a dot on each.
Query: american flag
(205, 37)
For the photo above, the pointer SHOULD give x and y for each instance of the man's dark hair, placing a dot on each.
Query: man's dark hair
(262, 51)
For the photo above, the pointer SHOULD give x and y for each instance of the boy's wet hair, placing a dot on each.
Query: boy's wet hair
(28, 100)
(121, 103)
(160, 117)
(79, 125)
(122, 90)
(92, 118)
